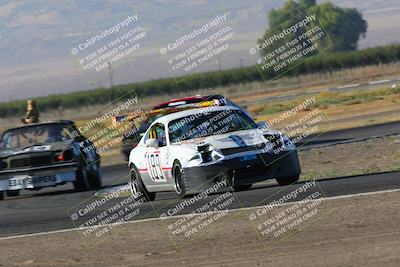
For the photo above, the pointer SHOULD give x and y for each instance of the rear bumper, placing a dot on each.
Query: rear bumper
(243, 172)
(126, 150)
(38, 177)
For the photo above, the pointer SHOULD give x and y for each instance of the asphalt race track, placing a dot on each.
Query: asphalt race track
(349, 135)
(345, 88)
(46, 210)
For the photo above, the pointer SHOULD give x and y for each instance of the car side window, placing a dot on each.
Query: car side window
(10, 141)
(158, 132)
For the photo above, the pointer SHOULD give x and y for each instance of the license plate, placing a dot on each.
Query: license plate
(31, 182)
(44, 180)
(20, 182)
(249, 157)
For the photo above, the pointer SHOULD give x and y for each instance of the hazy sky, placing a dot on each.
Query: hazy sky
(36, 37)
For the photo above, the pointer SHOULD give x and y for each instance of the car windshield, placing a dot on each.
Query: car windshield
(207, 124)
(34, 135)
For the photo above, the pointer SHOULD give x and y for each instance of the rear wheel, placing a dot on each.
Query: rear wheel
(81, 184)
(1, 195)
(138, 189)
(287, 180)
(12, 193)
(95, 177)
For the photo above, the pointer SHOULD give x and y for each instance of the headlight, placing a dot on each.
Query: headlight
(205, 148)
(205, 152)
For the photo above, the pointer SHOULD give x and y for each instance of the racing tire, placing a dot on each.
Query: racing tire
(287, 180)
(12, 193)
(238, 188)
(81, 184)
(137, 187)
(180, 183)
(95, 178)
(1, 195)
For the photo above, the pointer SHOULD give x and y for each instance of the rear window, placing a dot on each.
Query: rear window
(34, 135)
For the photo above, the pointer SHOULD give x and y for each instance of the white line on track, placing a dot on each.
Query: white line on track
(348, 86)
(197, 214)
(379, 82)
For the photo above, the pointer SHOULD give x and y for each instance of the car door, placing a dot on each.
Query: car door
(156, 158)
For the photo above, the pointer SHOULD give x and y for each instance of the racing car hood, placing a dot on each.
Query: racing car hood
(230, 140)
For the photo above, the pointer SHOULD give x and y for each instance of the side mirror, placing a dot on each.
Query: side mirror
(263, 125)
(152, 142)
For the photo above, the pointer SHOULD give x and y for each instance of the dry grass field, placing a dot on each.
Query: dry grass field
(341, 110)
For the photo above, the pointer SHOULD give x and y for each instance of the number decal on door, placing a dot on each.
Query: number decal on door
(154, 166)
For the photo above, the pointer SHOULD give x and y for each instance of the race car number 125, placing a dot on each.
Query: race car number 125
(153, 163)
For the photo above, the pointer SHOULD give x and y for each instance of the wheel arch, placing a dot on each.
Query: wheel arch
(131, 165)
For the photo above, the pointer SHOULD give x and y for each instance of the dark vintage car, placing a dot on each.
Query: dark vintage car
(47, 154)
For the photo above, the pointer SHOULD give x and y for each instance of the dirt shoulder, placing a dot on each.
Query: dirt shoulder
(369, 156)
(362, 231)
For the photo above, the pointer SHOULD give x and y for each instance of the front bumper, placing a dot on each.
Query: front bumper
(241, 171)
(38, 177)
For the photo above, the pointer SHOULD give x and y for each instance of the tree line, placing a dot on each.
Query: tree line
(322, 62)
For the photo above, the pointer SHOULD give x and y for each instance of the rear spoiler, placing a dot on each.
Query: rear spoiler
(117, 120)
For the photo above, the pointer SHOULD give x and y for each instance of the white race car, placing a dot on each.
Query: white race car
(192, 150)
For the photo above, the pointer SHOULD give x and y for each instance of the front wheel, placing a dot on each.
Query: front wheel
(1, 195)
(287, 180)
(180, 184)
(138, 189)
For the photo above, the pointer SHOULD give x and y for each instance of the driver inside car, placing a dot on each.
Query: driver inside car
(161, 136)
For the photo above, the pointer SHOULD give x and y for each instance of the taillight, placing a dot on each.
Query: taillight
(66, 155)
(60, 157)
